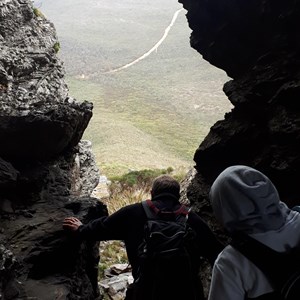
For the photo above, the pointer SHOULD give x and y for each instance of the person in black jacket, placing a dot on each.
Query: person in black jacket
(127, 224)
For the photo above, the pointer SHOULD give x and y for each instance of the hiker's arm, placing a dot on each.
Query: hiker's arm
(225, 284)
(210, 245)
(113, 227)
(122, 223)
(92, 230)
(71, 224)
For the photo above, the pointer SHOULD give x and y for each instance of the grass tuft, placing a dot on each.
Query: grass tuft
(56, 47)
(38, 13)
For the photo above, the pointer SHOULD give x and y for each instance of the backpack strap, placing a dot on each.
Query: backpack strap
(150, 212)
(275, 265)
(154, 212)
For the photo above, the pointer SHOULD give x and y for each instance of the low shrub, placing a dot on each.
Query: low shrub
(56, 47)
(38, 13)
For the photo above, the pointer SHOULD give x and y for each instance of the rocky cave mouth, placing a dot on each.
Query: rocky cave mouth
(44, 164)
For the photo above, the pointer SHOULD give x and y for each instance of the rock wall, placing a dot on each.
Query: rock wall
(43, 166)
(257, 44)
(43, 162)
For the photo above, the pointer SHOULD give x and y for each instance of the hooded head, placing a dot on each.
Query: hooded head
(244, 199)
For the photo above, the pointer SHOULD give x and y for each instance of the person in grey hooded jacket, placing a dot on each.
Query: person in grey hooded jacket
(245, 200)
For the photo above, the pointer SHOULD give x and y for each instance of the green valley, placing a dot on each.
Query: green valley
(153, 114)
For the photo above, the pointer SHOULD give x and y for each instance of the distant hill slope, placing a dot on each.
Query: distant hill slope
(154, 113)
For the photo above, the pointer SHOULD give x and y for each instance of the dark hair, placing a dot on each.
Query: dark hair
(165, 184)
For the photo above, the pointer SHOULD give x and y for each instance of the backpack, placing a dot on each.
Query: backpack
(168, 257)
(282, 269)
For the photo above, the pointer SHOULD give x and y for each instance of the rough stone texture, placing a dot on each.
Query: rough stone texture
(116, 280)
(43, 166)
(85, 172)
(257, 44)
(38, 119)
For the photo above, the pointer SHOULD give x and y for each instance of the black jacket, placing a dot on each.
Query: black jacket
(127, 224)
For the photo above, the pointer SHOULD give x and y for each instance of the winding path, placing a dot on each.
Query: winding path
(154, 48)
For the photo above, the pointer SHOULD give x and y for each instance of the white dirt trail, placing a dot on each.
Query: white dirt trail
(154, 48)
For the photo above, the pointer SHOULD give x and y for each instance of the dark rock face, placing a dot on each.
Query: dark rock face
(43, 166)
(233, 35)
(257, 43)
(38, 119)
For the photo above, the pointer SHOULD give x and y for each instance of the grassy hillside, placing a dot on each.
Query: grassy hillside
(153, 114)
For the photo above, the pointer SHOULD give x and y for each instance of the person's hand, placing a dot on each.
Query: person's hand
(71, 223)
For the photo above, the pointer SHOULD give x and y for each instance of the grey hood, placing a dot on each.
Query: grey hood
(244, 199)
